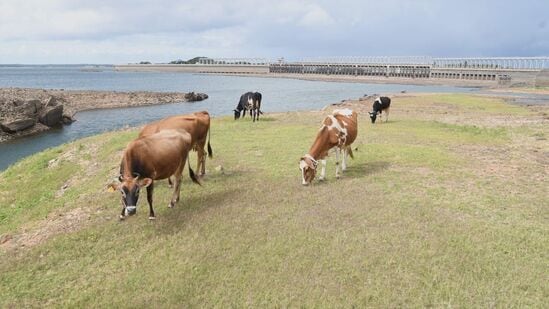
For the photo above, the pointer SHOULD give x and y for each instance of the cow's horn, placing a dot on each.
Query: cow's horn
(136, 175)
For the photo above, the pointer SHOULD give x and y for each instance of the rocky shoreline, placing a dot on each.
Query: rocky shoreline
(26, 111)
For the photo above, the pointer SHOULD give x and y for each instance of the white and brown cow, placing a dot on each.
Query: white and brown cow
(338, 131)
(196, 124)
(149, 158)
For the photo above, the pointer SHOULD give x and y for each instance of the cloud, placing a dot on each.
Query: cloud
(104, 31)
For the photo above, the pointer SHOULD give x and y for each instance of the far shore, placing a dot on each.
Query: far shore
(81, 100)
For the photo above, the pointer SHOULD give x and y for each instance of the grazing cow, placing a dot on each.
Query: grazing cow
(153, 157)
(381, 104)
(249, 101)
(197, 124)
(338, 131)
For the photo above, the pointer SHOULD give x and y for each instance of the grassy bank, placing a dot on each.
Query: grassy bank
(445, 205)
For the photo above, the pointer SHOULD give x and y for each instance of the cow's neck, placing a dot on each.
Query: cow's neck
(321, 145)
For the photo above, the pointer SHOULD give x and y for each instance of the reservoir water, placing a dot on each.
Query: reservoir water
(224, 91)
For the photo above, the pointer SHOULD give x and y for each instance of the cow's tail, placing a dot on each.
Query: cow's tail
(210, 151)
(350, 151)
(191, 173)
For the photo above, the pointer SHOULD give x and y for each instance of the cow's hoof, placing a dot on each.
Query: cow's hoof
(171, 204)
(121, 218)
(321, 179)
(152, 218)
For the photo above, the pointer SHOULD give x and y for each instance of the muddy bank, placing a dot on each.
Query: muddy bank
(26, 111)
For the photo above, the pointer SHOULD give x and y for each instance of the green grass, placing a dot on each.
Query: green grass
(428, 214)
(467, 103)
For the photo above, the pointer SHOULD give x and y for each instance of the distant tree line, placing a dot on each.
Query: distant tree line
(190, 61)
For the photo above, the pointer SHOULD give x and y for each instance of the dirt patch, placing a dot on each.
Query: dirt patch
(56, 223)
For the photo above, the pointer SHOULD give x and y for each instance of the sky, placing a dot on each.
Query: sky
(98, 31)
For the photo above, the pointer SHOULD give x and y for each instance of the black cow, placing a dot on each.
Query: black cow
(249, 101)
(381, 104)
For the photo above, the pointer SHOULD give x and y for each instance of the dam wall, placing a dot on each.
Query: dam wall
(497, 71)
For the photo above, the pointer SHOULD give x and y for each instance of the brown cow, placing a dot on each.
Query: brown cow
(197, 124)
(150, 158)
(338, 131)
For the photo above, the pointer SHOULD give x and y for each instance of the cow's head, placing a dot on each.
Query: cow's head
(236, 114)
(373, 116)
(307, 165)
(129, 187)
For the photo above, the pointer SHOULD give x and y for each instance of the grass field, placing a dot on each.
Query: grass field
(444, 206)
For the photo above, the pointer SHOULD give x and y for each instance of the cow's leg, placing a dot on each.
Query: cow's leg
(177, 187)
(201, 158)
(170, 183)
(243, 113)
(387, 114)
(337, 161)
(323, 170)
(150, 190)
(344, 160)
(198, 159)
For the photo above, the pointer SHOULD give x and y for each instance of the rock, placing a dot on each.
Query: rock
(193, 97)
(67, 119)
(51, 116)
(52, 101)
(32, 107)
(18, 102)
(17, 125)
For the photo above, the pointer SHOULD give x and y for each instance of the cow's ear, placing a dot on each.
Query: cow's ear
(145, 182)
(302, 163)
(113, 187)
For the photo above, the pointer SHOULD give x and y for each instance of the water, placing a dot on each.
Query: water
(224, 91)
